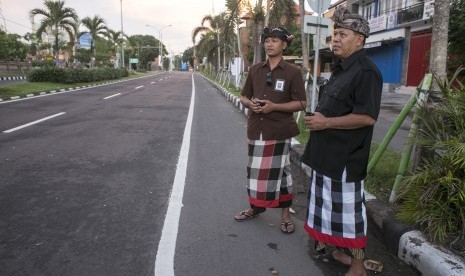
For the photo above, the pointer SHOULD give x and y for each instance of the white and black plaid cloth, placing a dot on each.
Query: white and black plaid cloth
(269, 173)
(336, 212)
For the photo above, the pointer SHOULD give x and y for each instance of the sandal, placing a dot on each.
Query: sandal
(246, 216)
(373, 265)
(286, 226)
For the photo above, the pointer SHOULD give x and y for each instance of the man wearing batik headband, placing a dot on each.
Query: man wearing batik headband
(273, 91)
(339, 145)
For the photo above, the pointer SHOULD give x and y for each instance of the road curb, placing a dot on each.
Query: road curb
(403, 240)
(12, 78)
(64, 90)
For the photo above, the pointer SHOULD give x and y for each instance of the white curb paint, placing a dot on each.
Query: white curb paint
(429, 259)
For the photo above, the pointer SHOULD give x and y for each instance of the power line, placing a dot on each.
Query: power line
(19, 24)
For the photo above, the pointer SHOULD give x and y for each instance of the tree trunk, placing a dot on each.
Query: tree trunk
(438, 58)
(257, 30)
(218, 64)
(267, 15)
(437, 64)
(303, 35)
(257, 56)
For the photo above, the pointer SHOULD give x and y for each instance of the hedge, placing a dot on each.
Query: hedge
(75, 75)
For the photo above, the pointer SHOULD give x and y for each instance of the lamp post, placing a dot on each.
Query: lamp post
(160, 44)
(122, 35)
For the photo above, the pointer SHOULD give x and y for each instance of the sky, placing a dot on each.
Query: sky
(183, 15)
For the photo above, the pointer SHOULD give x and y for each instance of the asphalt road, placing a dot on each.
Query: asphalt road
(86, 192)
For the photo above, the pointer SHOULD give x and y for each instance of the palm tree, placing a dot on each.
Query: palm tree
(96, 26)
(281, 13)
(234, 10)
(215, 24)
(258, 15)
(303, 35)
(56, 18)
(114, 38)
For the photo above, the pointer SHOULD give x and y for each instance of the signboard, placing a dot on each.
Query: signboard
(133, 60)
(322, 42)
(311, 24)
(378, 23)
(428, 11)
(392, 20)
(372, 45)
(85, 41)
(323, 5)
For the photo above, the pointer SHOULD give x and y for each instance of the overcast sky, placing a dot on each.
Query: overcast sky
(183, 15)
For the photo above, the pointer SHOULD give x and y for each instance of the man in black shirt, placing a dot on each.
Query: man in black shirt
(339, 145)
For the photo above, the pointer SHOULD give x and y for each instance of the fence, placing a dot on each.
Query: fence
(14, 67)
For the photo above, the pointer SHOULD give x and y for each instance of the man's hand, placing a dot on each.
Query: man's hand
(350, 121)
(317, 121)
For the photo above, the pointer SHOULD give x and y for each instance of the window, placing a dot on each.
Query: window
(367, 10)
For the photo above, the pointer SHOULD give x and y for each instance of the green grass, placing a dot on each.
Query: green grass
(23, 89)
(380, 181)
(12, 75)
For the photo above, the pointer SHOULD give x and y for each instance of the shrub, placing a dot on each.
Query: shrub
(75, 75)
(434, 195)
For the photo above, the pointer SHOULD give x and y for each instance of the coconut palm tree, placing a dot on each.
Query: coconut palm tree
(114, 38)
(281, 13)
(258, 15)
(303, 35)
(234, 10)
(96, 27)
(56, 19)
(215, 23)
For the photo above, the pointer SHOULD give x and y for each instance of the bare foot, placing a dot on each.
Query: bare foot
(341, 257)
(356, 269)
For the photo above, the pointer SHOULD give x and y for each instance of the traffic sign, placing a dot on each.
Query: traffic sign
(311, 25)
(323, 5)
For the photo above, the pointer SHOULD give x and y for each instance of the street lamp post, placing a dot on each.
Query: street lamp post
(122, 35)
(160, 43)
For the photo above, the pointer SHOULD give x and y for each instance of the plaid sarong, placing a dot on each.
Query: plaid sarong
(269, 173)
(336, 212)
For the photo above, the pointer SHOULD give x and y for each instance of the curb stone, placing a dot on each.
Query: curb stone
(12, 78)
(404, 241)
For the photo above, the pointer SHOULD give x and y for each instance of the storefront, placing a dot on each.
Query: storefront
(386, 50)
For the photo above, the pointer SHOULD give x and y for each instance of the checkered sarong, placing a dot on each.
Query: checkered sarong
(269, 173)
(336, 212)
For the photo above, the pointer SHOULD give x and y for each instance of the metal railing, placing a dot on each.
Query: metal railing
(410, 14)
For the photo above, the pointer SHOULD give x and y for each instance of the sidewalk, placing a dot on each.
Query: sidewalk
(402, 240)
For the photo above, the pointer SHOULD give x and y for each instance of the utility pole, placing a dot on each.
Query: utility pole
(122, 35)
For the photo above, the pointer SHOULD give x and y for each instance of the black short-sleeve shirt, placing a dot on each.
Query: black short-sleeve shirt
(355, 86)
(285, 84)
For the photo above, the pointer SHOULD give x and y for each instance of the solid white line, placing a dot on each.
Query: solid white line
(152, 82)
(33, 123)
(139, 87)
(106, 98)
(164, 261)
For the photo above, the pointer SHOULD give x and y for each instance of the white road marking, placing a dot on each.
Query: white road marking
(164, 261)
(35, 122)
(152, 82)
(139, 87)
(106, 98)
